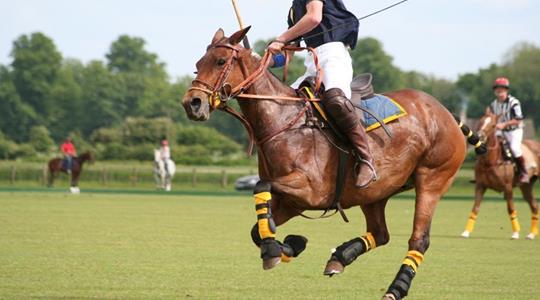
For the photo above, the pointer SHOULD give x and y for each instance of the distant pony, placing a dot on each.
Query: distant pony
(56, 166)
(163, 171)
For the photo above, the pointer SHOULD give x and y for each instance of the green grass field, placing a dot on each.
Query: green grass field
(121, 246)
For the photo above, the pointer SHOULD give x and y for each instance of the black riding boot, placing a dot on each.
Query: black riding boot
(344, 115)
(522, 169)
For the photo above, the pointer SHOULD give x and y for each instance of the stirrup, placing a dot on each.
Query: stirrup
(358, 167)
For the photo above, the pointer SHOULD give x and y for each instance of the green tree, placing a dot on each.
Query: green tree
(143, 76)
(16, 117)
(523, 64)
(67, 113)
(103, 98)
(127, 54)
(36, 63)
(40, 139)
(370, 57)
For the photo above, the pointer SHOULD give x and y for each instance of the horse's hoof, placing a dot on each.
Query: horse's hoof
(389, 297)
(530, 236)
(465, 234)
(333, 267)
(269, 263)
(515, 235)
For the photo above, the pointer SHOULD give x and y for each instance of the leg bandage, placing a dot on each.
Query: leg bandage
(534, 224)
(347, 252)
(470, 222)
(413, 259)
(267, 227)
(515, 222)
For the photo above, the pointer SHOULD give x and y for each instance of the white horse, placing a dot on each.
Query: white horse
(163, 174)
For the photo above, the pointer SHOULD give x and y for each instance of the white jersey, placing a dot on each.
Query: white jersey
(508, 110)
(165, 153)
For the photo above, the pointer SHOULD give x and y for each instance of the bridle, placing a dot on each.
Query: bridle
(221, 91)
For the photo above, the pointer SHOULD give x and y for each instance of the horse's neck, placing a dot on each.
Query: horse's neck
(266, 116)
(494, 154)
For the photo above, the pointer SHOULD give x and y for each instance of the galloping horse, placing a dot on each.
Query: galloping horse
(493, 172)
(298, 163)
(56, 166)
(163, 174)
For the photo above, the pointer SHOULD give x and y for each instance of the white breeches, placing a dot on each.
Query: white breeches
(514, 138)
(336, 63)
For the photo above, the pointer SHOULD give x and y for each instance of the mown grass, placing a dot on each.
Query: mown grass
(95, 246)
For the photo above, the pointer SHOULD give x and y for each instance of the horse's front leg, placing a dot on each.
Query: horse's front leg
(478, 197)
(270, 214)
(376, 235)
(512, 212)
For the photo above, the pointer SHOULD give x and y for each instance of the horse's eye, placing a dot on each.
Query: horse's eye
(195, 72)
(221, 62)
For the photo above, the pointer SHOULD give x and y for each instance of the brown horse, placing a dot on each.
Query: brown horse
(56, 166)
(493, 172)
(297, 163)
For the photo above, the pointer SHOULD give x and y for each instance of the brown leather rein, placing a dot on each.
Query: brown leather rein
(222, 91)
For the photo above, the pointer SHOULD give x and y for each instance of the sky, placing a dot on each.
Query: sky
(439, 37)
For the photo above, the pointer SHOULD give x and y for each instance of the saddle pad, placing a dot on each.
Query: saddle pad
(385, 108)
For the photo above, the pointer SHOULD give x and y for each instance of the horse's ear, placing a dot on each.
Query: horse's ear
(238, 36)
(488, 111)
(218, 36)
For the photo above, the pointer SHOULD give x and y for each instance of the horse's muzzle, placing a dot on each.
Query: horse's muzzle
(196, 106)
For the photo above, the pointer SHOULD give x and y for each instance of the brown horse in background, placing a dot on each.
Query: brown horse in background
(492, 171)
(298, 163)
(56, 166)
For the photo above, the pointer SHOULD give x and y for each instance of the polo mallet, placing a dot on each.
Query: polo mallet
(245, 41)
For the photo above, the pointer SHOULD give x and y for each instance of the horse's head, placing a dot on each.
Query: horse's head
(87, 156)
(487, 125)
(217, 73)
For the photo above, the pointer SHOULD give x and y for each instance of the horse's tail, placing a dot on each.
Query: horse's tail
(472, 138)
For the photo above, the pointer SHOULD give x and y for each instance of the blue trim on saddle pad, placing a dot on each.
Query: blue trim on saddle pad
(384, 107)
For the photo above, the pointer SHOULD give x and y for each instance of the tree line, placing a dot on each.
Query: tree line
(120, 107)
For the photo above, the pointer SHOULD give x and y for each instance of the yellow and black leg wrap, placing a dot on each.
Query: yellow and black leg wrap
(534, 224)
(270, 248)
(347, 252)
(514, 221)
(402, 283)
(471, 221)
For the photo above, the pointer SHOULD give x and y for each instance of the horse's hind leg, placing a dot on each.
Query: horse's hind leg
(431, 184)
(527, 190)
(270, 214)
(478, 197)
(376, 235)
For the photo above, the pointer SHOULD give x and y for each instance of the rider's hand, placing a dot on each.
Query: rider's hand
(500, 126)
(276, 46)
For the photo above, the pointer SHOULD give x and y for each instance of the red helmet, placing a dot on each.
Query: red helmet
(501, 82)
(164, 143)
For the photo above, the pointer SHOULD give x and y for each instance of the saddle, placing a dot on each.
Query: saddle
(373, 110)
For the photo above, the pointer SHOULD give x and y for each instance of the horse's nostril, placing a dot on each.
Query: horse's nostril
(196, 104)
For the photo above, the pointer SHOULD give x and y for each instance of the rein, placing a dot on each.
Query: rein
(221, 91)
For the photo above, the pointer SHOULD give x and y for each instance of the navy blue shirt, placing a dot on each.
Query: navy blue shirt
(335, 15)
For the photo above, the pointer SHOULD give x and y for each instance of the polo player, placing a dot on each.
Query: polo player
(165, 153)
(69, 152)
(510, 122)
(314, 17)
